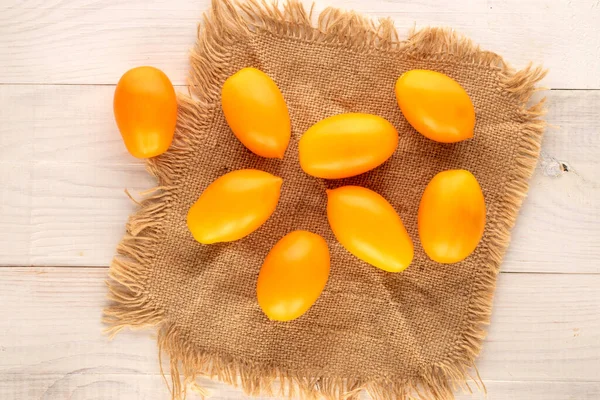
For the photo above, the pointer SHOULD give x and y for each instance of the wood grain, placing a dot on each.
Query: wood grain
(94, 42)
(63, 171)
(107, 385)
(544, 327)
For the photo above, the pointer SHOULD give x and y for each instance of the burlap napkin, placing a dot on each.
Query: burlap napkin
(414, 333)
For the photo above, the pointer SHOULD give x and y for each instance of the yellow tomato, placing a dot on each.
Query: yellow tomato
(436, 106)
(256, 112)
(346, 145)
(451, 216)
(233, 206)
(145, 107)
(293, 275)
(367, 225)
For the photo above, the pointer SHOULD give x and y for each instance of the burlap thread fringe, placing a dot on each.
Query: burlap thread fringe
(132, 305)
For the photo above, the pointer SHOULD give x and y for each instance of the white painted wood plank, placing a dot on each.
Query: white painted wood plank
(97, 384)
(558, 229)
(15, 213)
(63, 169)
(94, 41)
(545, 327)
(57, 123)
(66, 214)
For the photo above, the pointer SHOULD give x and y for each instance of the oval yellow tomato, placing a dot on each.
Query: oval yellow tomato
(346, 145)
(451, 216)
(234, 205)
(293, 275)
(436, 105)
(256, 112)
(145, 108)
(367, 225)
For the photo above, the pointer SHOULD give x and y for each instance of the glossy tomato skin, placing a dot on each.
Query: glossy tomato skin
(145, 108)
(234, 205)
(256, 112)
(293, 275)
(369, 227)
(436, 106)
(346, 145)
(451, 216)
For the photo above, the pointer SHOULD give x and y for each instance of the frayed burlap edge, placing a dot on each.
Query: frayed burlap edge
(226, 23)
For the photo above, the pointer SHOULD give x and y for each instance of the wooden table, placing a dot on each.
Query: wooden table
(63, 169)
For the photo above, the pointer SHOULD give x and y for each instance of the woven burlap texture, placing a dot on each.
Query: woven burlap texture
(414, 333)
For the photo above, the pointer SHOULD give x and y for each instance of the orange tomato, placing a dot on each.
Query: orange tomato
(256, 112)
(234, 205)
(145, 107)
(293, 275)
(435, 105)
(346, 145)
(367, 225)
(451, 216)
